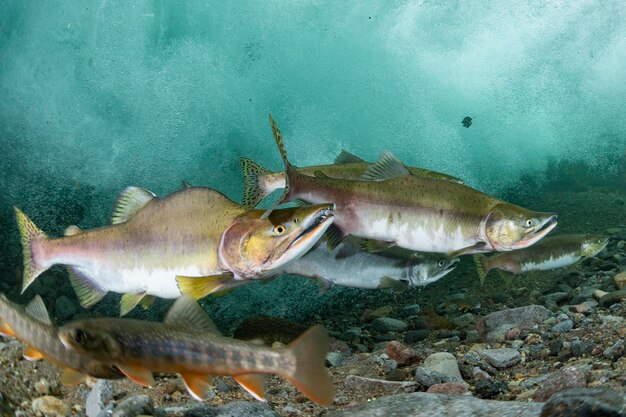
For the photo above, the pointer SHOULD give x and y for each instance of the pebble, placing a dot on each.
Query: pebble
(612, 298)
(42, 387)
(444, 363)
(620, 280)
(616, 351)
(402, 354)
(522, 317)
(386, 324)
(378, 386)
(557, 381)
(562, 327)
(490, 388)
(334, 359)
(427, 377)
(423, 404)
(585, 402)
(244, 409)
(64, 307)
(134, 406)
(465, 321)
(378, 313)
(413, 336)
(556, 298)
(449, 388)
(99, 396)
(412, 310)
(351, 335)
(500, 358)
(49, 405)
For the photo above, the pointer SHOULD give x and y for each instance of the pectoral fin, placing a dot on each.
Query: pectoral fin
(200, 287)
(87, 291)
(32, 354)
(140, 375)
(70, 377)
(375, 246)
(197, 384)
(333, 237)
(393, 284)
(324, 285)
(6, 330)
(254, 384)
(466, 251)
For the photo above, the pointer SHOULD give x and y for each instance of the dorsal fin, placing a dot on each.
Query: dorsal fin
(186, 312)
(346, 157)
(129, 202)
(387, 166)
(37, 310)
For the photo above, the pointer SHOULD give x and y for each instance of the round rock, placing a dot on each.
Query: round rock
(386, 324)
(500, 358)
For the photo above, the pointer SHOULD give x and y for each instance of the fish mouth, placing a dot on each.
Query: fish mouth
(452, 265)
(317, 224)
(547, 226)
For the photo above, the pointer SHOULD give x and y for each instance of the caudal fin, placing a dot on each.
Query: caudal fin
(479, 261)
(310, 374)
(252, 173)
(29, 235)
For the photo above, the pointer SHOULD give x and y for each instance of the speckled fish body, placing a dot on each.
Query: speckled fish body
(349, 265)
(35, 329)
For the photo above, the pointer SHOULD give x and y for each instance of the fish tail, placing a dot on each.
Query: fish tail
(310, 375)
(31, 237)
(252, 173)
(481, 267)
(289, 169)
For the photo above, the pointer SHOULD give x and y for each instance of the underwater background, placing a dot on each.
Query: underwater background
(96, 96)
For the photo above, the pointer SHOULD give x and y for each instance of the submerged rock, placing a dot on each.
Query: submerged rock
(444, 363)
(560, 380)
(134, 406)
(50, 406)
(521, 317)
(99, 396)
(421, 404)
(500, 358)
(386, 324)
(377, 387)
(584, 402)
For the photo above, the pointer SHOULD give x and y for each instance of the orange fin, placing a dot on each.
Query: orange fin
(71, 377)
(140, 375)
(310, 374)
(254, 384)
(6, 330)
(200, 287)
(32, 354)
(197, 384)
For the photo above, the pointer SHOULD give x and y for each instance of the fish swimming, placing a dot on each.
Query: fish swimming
(349, 265)
(391, 205)
(259, 182)
(32, 325)
(188, 343)
(552, 252)
(156, 245)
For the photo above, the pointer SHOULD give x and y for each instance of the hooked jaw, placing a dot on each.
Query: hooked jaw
(548, 223)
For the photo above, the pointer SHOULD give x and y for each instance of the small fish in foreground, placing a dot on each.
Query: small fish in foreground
(32, 325)
(259, 182)
(360, 263)
(467, 121)
(197, 236)
(550, 253)
(188, 343)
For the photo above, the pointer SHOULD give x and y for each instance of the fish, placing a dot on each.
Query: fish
(32, 325)
(389, 204)
(188, 343)
(354, 264)
(194, 240)
(467, 121)
(259, 182)
(553, 252)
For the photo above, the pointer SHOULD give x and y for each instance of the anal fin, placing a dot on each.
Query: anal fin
(197, 384)
(466, 251)
(87, 291)
(200, 287)
(254, 384)
(32, 354)
(140, 375)
(129, 301)
(70, 377)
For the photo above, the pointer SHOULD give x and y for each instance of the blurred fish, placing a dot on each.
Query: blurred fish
(188, 343)
(550, 253)
(467, 121)
(32, 325)
(259, 182)
(198, 234)
(425, 215)
(352, 265)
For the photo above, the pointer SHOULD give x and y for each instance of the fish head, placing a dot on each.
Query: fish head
(91, 339)
(510, 227)
(425, 269)
(593, 244)
(256, 247)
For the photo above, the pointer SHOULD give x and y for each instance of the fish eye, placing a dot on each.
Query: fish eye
(80, 336)
(296, 220)
(529, 222)
(279, 229)
(441, 263)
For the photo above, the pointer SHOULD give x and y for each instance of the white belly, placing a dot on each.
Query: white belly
(552, 263)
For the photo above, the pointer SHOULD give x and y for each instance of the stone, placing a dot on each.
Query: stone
(50, 406)
(616, 351)
(585, 402)
(563, 327)
(412, 310)
(334, 359)
(245, 409)
(422, 404)
(134, 406)
(490, 388)
(201, 410)
(620, 280)
(427, 377)
(377, 387)
(444, 363)
(522, 317)
(612, 298)
(449, 388)
(465, 321)
(413, 336)
(556, 298)
(500, 358)
(386, 324)
(64, 307)
(402, 354)
(351, 335)
(383, 311)
(570, 377)
(42, 387)
(99, 396)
